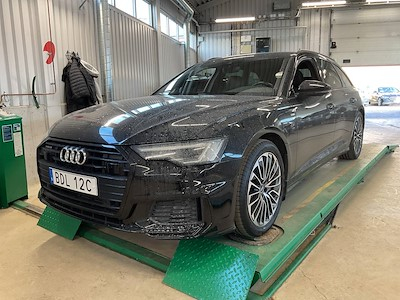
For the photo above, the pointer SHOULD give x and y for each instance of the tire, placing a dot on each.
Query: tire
(260, 190)
(356, 139)
(380, 102)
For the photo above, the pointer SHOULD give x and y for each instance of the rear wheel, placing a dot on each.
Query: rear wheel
(260, 190)
(356, 139)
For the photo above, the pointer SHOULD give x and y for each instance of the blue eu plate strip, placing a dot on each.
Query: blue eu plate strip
(51, 176)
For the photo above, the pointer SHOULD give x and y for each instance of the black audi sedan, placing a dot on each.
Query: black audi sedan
(211, 152)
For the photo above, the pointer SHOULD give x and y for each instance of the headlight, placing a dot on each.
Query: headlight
(185, 153)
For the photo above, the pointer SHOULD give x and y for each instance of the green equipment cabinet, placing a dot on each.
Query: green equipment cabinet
(13, 184)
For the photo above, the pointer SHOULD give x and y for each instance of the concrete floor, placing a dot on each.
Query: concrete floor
(359, 259)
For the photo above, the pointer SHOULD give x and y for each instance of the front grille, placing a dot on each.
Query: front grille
(103, 162)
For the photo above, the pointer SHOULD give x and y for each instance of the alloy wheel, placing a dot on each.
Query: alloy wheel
(264, 189)
(358, 135)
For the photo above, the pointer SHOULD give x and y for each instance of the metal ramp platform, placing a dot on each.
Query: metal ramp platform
(221, 268)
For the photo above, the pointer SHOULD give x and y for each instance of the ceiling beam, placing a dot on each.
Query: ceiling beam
(209, 4)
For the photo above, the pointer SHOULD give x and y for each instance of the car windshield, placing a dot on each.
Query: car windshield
(385, 90)
(229, 77)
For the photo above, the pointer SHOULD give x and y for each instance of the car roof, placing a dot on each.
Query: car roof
(271, 55)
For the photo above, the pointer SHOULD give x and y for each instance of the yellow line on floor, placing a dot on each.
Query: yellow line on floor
(315, 194)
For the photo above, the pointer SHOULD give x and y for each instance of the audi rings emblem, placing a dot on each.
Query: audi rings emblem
(73, 155)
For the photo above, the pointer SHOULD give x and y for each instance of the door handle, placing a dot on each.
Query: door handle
(330, 106)
(353, 100)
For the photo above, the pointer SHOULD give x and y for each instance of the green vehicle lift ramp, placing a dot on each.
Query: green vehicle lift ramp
(221, 268)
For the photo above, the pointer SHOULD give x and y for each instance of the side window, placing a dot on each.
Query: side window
(330, 76)
(305, 71)
(346, 81)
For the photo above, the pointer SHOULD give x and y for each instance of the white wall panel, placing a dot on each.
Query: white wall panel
(367, 36)
(318, 23)
(193, 57)
(284, 34)
(172, 58)
(134, 56)
(215, 45)
(24, 29)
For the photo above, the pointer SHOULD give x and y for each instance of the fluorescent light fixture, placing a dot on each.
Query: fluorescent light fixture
(322, 3)
(231, 20)
(381, 1)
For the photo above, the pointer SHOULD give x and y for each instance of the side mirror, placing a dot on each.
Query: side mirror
(313, 87)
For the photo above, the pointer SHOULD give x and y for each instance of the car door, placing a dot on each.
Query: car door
(314, 119)
(344, 99)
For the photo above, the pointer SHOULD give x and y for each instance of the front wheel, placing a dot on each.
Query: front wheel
(356, 139)
(261, 188)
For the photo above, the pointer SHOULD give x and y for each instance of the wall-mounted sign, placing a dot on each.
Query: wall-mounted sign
(245, 38)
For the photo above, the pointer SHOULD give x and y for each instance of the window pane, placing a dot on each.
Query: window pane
(111, 2)
(331, 77)
(181, 33)
(344, 77)
(143, 11)
(164, 23)
(125, 6)
(192, 41)
(173, 30)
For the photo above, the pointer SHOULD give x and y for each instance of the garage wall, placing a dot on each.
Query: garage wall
(226, 39)
(318, 29)
(134, 56)
(172, 58)
(366, 36)
(210, 10)
(215, 44)
(135, 60)
(24, 30)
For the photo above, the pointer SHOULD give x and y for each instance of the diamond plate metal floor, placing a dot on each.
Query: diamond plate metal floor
(224, 269)
(205, 269)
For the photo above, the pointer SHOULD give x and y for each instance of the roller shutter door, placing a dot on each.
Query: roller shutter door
(367, 36)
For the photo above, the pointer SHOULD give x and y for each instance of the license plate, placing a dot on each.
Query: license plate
(75, 182)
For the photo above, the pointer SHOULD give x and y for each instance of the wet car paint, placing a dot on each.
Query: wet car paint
(308, 132)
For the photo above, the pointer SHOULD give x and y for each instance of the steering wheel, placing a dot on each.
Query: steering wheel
(262, 83)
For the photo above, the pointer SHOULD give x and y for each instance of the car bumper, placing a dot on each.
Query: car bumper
(157, 198)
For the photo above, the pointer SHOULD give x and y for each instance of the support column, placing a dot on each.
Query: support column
(187, 43)
(104, 32)
(157, 26)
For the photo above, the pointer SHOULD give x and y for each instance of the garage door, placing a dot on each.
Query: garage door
(366, 36)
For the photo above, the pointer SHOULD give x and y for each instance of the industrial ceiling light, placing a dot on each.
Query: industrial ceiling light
(322, 3)
(231, 20)
(382, 1)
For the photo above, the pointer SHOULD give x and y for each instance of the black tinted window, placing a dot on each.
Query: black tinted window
(305, 71)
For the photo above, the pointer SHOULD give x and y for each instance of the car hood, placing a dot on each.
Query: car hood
(157, 118)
